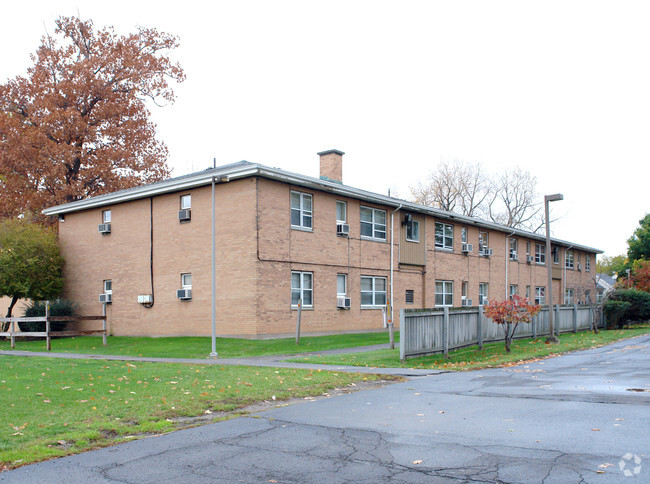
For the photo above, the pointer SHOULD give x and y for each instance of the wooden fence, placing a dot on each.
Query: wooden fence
(48, 333)
(430, 331)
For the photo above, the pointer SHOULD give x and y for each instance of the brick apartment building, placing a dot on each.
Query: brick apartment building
(281, 237)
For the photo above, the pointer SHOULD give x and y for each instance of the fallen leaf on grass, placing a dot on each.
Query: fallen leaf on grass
(417, 462)
(595, 430)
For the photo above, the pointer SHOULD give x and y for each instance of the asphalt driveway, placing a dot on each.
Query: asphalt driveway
(582, 417)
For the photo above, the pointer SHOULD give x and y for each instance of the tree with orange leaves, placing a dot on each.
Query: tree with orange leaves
(78, 124)
(509, 313)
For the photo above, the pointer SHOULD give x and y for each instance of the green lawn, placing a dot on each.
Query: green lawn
(491, 355)
(199, 347)
(53, 407)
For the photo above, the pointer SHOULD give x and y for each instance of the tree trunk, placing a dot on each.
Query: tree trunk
(508, 338)
(14, 300)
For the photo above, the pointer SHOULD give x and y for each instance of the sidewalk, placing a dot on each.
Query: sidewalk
(275, 361)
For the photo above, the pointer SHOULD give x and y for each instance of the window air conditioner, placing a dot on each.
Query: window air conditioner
(184, 294)
(342, 229)
(104, 228)
(467, 302)
(105, 298)
(343, 302)
(184, 215)
(513, 255)
(487, 252)
(145, 299)
(466, 248)
(530, 259)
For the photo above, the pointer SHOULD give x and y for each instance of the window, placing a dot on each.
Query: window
(568, 296)
(444, 236)
(514, 290)
(301, 210)
(410, 296)
(444, 293)
(302, 288)
(341, 284)
(463, 290)
(568, 259)
(373, 291)
(373, 223)
(540, 254)
(540, 295)
(513, 248)
(482, 293)
(341, 212)
(482, 242)
(186, 281)
(587, 263)
(528, 247)
(186, 202)
(528, 292)
(106, 216)
(413, 231)
(463, 235)
(556, 255)
(108, 286)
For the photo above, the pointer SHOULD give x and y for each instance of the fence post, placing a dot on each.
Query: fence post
(533, 323)
(480, 327)
(557, 320)
(13, 337)
(445, 332)
(104, 323)
(575, 318)
(298, 321)
(402, 339)
(47, 325)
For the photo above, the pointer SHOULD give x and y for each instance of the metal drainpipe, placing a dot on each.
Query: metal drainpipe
(214, 354)
(391, 260)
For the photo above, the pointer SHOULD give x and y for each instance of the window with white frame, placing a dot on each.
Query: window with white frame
(373, 223)
(302, 288)
(301, 210)
(556, 255)
(568, 296)
(373, 291)
(341, 212)
(463, 235)
(514, 290)
(463, 290)
(186, 280)
(413, 231)
(568, 259)
(540, 254)
(341, 284)
(444, 293)
(108, 286)
(482, 293)
(444, 236)
(482, 242)
(587, 263)
(528, 292)
(540, 295)
(106, 216)
(513, 248)
(186, 202)
(528, 247)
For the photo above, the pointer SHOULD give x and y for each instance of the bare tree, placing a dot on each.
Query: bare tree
(474, 189)
(514, 201)
(442, 189)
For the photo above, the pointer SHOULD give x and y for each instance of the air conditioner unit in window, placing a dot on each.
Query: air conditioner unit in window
(184, 215)
(184, 294)
(342, 229)
(105, 298)
(486, 252)
(104, 228)
(343, 302)
(530, 259)
(467, 248)
(467, 302)
(513, 255)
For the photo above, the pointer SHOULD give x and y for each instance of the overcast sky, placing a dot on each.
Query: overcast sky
(561, 89)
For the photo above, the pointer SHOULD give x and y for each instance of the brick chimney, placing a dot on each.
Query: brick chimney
(331, 165)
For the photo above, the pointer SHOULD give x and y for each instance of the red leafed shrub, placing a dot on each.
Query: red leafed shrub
(510, 313)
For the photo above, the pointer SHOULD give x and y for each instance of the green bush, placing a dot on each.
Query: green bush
(626, 306)
(60, 307)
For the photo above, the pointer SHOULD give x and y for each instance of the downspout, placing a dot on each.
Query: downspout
(392, 230)
(508, 262)
(214, 354)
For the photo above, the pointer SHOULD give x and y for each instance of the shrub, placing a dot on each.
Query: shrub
(627, 306)
(60, 307)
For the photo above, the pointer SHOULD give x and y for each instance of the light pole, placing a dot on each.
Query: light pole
(549, 290)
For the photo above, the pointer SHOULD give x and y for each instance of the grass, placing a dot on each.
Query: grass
(54, 407)
(492, 355)
(198, 347)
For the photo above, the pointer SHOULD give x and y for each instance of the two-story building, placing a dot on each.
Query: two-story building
(281, 237)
